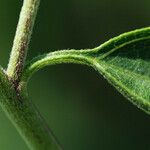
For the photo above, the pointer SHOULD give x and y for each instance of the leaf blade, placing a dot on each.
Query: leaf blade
(127, 68)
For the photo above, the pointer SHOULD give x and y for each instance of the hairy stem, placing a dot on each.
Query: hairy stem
(16, 104)
(25, 117)
(22, 39)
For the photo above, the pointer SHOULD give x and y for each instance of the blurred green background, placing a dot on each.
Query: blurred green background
(83, 110)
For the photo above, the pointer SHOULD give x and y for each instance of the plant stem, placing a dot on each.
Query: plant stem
(25, 117)
(22, 39)
(16, 103)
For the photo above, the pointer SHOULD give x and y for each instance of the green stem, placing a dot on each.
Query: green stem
(16, 103)
(25, 117)
(22, 39)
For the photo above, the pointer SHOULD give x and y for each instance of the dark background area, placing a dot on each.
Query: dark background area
(82, 109)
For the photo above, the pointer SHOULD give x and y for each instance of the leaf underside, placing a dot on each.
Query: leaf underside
(124, 61)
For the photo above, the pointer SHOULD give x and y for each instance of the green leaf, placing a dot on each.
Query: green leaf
(124, 61)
